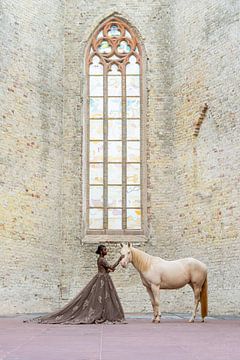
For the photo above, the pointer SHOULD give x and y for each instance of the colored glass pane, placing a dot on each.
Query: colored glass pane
(114, 196)
(133, 173)
(133, 196)
(114, 129)
(96, 151)
(96, 107)
(114, 31)
(114, 173)
(133, 129)
(114, 85)
(114, 107)
(104, 47)
(114, 151)
(96, 173)
(133, 107)
(115, 219)
(95, 218)
(96, 86)
(96, 196)
(133, 151)
(134, 219)
(96, 130)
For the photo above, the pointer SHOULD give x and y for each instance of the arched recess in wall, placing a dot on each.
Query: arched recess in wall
(114, 132)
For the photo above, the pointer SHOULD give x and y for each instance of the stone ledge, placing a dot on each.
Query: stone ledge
(95, 239)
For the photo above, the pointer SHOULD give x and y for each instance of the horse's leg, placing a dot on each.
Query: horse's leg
(197, 292)
(156, 292)
(152, 300)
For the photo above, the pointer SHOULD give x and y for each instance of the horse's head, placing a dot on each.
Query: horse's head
(126, 252)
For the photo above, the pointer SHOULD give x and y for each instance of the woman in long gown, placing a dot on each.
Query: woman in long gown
(98, 301)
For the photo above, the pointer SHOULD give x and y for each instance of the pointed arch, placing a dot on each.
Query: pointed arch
(115, 186)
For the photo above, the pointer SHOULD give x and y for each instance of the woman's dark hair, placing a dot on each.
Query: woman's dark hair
(99, 249)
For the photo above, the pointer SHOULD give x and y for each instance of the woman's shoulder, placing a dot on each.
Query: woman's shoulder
(102, 260)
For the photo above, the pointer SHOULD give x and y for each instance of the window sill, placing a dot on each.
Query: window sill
(95, 239)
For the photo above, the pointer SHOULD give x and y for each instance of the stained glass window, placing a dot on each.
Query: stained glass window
(114, 163)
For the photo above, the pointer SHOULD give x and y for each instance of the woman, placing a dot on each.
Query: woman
(96, 303)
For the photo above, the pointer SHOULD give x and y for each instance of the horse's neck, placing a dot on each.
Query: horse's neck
(140, 260)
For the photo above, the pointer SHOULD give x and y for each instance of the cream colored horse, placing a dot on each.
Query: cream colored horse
(157, 274)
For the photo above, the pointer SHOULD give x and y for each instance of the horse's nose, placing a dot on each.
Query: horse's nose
(123, 264)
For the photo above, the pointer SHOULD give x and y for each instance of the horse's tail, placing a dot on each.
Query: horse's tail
(204, 299)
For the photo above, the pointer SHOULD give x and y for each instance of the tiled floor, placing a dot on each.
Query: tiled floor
(173, 339)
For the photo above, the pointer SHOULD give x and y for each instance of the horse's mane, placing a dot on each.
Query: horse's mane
(140, 259)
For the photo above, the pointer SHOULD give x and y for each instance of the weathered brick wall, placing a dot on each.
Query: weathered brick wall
(193, 182)
(30, 154)
(206, 168)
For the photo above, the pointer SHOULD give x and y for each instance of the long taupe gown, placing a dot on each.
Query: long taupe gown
(96, 303)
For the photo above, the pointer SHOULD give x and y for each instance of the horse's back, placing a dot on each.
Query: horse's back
(177, 273)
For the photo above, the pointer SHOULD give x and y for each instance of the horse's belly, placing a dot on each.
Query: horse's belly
(174, 282)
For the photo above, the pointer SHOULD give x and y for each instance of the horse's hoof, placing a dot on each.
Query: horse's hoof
(156, 321)
(203, 320)
(191, 321)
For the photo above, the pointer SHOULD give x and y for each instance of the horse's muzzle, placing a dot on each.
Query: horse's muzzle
(123, 264)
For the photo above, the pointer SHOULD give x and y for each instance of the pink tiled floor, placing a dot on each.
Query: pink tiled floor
(173, 339)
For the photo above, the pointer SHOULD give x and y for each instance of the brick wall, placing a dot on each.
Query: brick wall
(206, 167)
(193, 181)
(30, 154)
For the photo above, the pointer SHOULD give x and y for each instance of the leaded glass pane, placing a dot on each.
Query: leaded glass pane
(104, 47)
(115, 219)
(123, 47)
(95, 219)
(96, 85)
(96, 130)
(133, 107)
(114, 85)
(114, 173)
(132, 68)
(133, 196)
(114, 31)
(133, 173)
(96, 68)
(114, 57)
(133, 129)
(96, 174)
(96, 151)
(114, 69)
(100, 35)
(133, 85)
(114, 196)
(133, 151)
(96, 107)
(96, 196)
(127, 34)
(114, 107)
(133, 218)
(114, 151)
(115, 129)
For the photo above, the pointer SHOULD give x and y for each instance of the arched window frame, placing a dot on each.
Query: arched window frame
(124, 234)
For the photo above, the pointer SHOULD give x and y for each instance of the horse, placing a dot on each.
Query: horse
(157, 273)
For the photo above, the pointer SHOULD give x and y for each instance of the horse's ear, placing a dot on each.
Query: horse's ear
(121, 244)
(129, 244)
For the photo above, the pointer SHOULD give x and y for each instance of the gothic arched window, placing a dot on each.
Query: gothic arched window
(114, 130)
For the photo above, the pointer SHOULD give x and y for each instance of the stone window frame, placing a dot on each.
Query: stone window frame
(95, 236)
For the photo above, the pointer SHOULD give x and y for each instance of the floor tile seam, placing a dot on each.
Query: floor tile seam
(101, 343)
(9, 353)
